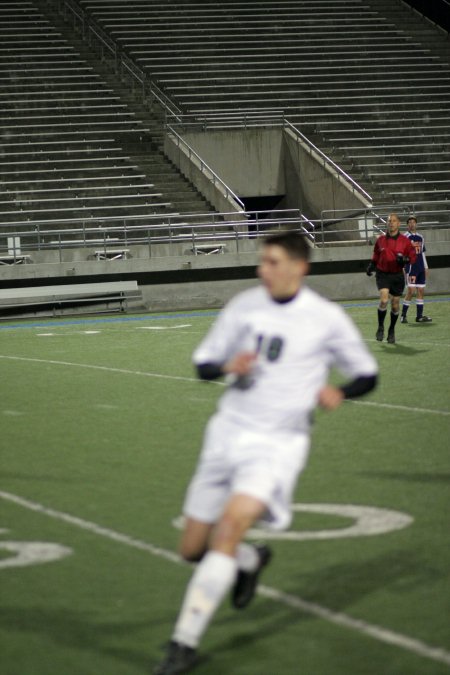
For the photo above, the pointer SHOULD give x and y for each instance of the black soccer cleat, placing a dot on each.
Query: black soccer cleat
(178, 659)
(391, 337)
(380, 334)
(423, 319)
(246, 582)
(403, 319)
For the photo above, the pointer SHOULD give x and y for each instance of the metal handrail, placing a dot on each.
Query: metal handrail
(88, 237)
(204, 167)
(195, 228)
(328, 160)
(230, 119)
(223, 217)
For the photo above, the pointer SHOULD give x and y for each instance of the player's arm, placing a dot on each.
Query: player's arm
(241, 364)
(371, 267)
(410, 253)
(217, 348)
(425, 261)
(331, 397)
(210, 371)
(353, 359)
(359, 386)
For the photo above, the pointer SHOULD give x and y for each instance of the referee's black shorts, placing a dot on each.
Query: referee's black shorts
(395, 282)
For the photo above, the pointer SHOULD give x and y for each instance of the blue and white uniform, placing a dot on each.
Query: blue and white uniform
(415, 274)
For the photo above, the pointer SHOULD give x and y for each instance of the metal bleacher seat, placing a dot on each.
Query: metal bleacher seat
(353, 73)
(60, 124)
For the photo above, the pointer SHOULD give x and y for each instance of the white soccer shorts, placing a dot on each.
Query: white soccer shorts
(235, 460)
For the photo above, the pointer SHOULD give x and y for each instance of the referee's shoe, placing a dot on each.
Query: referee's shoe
(423, 319)
(380, 334)
(246, 582)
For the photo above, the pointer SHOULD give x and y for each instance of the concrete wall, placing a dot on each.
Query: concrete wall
(269, 162)
(311, 185)
(215, 294)
(348, 282)
(250, 161)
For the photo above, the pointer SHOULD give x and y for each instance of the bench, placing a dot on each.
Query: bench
(208, 249)
(57, 296)
(18, 259)
(112, 254)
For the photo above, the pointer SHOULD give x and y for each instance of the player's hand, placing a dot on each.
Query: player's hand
(330, 397)
(370, 268)
(241, 364)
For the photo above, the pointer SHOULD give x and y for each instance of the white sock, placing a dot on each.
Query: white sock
(211, 580)
(247, 557)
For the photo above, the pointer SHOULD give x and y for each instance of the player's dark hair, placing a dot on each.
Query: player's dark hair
(412, 218)
(294, 243)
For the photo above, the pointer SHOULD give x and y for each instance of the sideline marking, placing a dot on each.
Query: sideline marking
(181, 325)
(369, 521)
(92, 527)
(338, 618)
(125, 371)
(344, 621)
(394, 406)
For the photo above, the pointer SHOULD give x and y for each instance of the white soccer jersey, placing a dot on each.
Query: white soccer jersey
(297, 343)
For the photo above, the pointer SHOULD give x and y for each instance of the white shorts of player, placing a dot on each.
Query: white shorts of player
(236, 460)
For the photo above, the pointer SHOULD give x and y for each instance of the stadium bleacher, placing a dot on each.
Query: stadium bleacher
(78, 145)
(352, 74)
(66, 134)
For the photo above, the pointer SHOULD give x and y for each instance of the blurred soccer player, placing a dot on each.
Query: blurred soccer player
(416, 275)
(391, 252)
(275, 344)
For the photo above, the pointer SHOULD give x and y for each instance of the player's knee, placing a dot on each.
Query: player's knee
(191, 555)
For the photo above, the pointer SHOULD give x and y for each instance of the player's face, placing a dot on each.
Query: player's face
(279, 273)
(412, 225)
(393, 225)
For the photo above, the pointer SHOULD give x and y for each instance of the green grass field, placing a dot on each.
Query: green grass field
(101, 423)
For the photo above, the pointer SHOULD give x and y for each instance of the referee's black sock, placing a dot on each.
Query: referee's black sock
(381, 316)
(394, 318)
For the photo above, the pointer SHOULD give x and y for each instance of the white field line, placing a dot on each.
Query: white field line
(124, 371)
(92, 527)
(141, 373)
(394, 406)
(343, 620)
(414, 343)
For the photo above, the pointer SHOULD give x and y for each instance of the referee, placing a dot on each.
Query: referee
(391, 252)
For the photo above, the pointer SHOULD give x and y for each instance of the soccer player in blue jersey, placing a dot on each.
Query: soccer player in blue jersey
(416, 274)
